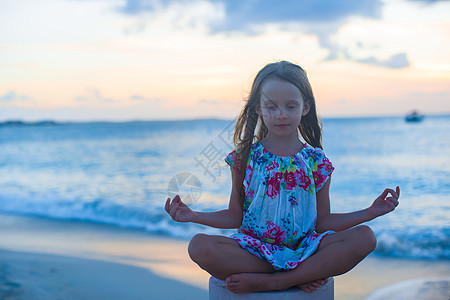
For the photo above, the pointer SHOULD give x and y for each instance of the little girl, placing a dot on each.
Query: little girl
(280, 197)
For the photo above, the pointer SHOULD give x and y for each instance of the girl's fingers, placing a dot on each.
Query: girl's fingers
(384, 194)
(173, 211)
(177, 199)
(167, 204)
(392, 192)
(392, 200)
(172, 206)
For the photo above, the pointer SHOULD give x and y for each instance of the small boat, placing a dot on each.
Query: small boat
(414, 116)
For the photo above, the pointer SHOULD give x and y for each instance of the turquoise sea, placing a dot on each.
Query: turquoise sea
(121, 174)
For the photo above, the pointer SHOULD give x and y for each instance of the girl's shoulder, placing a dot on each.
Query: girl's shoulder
(234, 159)
(314, 153)
(320, 165)
(255, 147)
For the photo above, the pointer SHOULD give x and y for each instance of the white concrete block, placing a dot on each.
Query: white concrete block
(218, 291)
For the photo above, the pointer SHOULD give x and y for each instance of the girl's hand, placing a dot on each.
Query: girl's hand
(383, 204)
(179, 211)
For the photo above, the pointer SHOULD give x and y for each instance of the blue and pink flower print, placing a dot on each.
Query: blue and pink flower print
(280, 204)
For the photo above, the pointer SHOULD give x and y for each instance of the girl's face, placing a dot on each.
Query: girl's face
(281, 106)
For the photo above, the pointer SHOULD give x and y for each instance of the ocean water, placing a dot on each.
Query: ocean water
(122, 173)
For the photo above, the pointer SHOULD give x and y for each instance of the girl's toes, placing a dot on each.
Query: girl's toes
(305, 288)
(312, 288)
(232, 285)
(232, 278)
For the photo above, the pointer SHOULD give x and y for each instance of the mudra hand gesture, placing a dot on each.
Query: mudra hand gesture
(384, 204)
(179, 211)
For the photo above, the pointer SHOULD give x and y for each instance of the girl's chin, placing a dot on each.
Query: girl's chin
(284, 131)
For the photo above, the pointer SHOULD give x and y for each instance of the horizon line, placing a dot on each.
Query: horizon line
(43, 121)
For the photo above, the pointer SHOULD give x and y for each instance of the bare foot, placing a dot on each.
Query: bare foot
(249, 283)
(312, 286)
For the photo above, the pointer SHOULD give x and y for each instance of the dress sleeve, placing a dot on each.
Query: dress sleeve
(322, 169)
(232, 160)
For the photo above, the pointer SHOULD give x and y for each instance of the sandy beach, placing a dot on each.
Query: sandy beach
(48, 259)
(44, 276)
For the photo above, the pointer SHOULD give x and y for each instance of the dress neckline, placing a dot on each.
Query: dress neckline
(305, 145)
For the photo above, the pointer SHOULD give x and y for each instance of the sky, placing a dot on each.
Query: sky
(121, 60)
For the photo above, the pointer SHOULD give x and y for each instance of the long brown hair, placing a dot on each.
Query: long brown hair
(249, 121)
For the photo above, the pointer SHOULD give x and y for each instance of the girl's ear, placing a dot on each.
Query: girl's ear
(306, 107)
(258, 110)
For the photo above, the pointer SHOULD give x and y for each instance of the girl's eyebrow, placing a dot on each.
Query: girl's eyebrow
(273, 101)
(267, 99)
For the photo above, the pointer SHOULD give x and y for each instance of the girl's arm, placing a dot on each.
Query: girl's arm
(339, 222)
(227, 218)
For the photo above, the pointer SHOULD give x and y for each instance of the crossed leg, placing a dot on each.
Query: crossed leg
(224, 259)
(221, 256)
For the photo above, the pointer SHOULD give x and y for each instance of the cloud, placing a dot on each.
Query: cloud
(143, 99)
(242, 14)
(209, 103)
(321, 18)
(246, 15)
(94, 99)
(251, 16)
(134, 7)
(137, 97)
(428, 1)
(167, 15)
(13, 96)
(396, 61)
(94, 95)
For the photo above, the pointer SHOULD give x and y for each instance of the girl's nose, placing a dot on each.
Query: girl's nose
(281, 114)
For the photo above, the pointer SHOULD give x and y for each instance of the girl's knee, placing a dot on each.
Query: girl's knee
(366, 240)
(200, 247)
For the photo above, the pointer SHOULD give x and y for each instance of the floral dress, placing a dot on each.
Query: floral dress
(279, 213)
